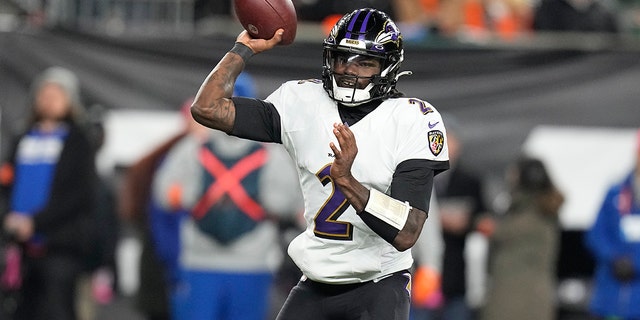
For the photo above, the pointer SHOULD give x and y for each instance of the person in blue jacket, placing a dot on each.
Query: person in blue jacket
(49, 183)
(614, 240)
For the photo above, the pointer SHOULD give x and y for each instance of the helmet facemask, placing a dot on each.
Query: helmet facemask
(350, 88)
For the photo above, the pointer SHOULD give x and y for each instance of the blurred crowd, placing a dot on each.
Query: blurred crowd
(474, 20)
(477, 20)
(420, 20)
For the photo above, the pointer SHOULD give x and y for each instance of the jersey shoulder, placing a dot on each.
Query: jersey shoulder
(412, 110)
(414, 117)
(421, 127)
(299, 102)
(298, 91)
(300, 94)
(303, 85)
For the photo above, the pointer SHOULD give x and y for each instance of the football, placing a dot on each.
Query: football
(261, 18)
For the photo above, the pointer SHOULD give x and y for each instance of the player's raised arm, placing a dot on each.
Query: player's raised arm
(212, 106)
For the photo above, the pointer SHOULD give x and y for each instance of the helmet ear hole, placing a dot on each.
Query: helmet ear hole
(366, 32)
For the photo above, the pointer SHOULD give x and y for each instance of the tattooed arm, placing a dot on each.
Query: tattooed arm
(212, 106)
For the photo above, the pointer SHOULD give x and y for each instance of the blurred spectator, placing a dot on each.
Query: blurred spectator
(575, 15)
(102, 257)
(614, 240)
(425, 287)
(523, 247)
(510, 18)
(462, 16)
(415, 18)
(235, 191)
(50, 180)
(467, 19)
(461, 203)
(629, 17)
(99, 286)
(288, 274)
(316, 10)
(136, 208)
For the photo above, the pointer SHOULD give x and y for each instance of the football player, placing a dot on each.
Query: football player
(366, 158)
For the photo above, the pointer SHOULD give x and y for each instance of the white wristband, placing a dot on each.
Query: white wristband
(391, 211)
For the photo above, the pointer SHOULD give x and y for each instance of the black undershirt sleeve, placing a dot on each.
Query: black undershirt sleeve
(256, 120)
(412, 182)
(381, 228)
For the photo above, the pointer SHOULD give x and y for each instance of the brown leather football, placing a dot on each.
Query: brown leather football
(261, 18)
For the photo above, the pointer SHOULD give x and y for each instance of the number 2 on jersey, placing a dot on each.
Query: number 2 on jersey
(326, 221)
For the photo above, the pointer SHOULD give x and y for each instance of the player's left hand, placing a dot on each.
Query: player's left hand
(345, 153)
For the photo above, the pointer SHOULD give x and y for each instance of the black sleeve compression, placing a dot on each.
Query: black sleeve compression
(381, 228)
(413, 181)
(256, 120)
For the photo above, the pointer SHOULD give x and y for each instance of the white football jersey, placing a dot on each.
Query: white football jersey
(337, 246)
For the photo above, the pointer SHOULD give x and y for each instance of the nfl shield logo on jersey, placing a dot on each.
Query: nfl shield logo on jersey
(436, 142)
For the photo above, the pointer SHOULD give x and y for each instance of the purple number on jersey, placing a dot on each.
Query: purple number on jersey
(326, 220)
(424, 108)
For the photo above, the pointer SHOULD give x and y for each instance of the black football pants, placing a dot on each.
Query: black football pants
(387, 299)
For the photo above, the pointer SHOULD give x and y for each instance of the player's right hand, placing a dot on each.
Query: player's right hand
(345, 152)
(259, 45)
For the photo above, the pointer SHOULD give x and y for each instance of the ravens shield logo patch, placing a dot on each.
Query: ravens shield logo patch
(436, 142)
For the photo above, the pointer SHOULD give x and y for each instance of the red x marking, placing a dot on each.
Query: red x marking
(227, 181)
